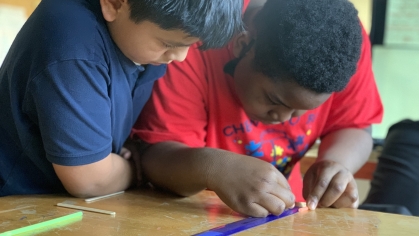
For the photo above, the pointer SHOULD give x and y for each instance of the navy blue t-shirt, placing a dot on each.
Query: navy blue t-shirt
(67, 96)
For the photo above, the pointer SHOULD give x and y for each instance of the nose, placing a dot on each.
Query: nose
(177, 54)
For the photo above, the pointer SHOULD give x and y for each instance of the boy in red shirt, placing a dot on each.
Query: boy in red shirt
(243, 116)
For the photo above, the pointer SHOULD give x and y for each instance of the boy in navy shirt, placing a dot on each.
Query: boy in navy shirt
(78, 75)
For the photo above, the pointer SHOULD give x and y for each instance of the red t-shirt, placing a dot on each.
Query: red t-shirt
(195, 104)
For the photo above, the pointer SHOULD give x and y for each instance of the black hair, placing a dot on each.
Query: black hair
(315, 43)
(214, 22)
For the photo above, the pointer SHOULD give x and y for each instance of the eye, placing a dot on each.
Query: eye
(276, 102)
(271, 102)
(168, 46)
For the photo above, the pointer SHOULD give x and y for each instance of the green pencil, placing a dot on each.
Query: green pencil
(46, 225)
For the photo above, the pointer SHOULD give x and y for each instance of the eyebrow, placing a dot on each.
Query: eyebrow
(177, 44)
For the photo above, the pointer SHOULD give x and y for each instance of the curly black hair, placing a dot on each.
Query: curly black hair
(316, 43)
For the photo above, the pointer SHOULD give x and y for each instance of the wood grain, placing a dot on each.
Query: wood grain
(149, 212)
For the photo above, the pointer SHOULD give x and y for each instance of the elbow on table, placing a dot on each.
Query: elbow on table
(186, 192)
(88, 180)
(85, 190)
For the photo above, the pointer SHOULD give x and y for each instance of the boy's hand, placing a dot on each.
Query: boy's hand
(131, 151)
(330, 184)
(251, 186)
(125, 153)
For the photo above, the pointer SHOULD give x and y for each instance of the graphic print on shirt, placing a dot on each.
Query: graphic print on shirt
(282, 145)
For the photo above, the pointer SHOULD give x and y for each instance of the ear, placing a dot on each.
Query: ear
(240, 42)
(111, 8)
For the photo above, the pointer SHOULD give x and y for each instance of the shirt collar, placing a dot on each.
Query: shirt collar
(128, 66)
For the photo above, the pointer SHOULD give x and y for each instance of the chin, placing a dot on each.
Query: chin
(271, 122)
(265, 122)
(251, 117)
(254, 118)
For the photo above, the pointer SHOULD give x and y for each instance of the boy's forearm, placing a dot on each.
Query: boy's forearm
(109, 175)
(177, 167)
(350, 147)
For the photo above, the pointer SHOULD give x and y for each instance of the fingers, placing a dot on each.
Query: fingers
(255, 210)
(266, 204)
(277, 196)
(330, 185)
(285, 195)
(125, 153)
(268, 198)
(256, 189)
(318, 186)
(355, 205)
(276, 205)
(274, 201)
(282, 181)
(269, 204)
(335, 189)
(349, 198)
(309, 182)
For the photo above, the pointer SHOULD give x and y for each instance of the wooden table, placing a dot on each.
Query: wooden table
(148, 212)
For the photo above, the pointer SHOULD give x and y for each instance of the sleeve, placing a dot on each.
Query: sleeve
(177, 110)
(69, 101)
(359, 104)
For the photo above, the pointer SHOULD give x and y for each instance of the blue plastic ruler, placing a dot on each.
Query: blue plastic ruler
(244, 224)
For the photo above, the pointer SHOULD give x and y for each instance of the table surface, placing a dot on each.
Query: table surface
(150, 212)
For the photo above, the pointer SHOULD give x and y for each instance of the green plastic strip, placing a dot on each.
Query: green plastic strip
(46, 225)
